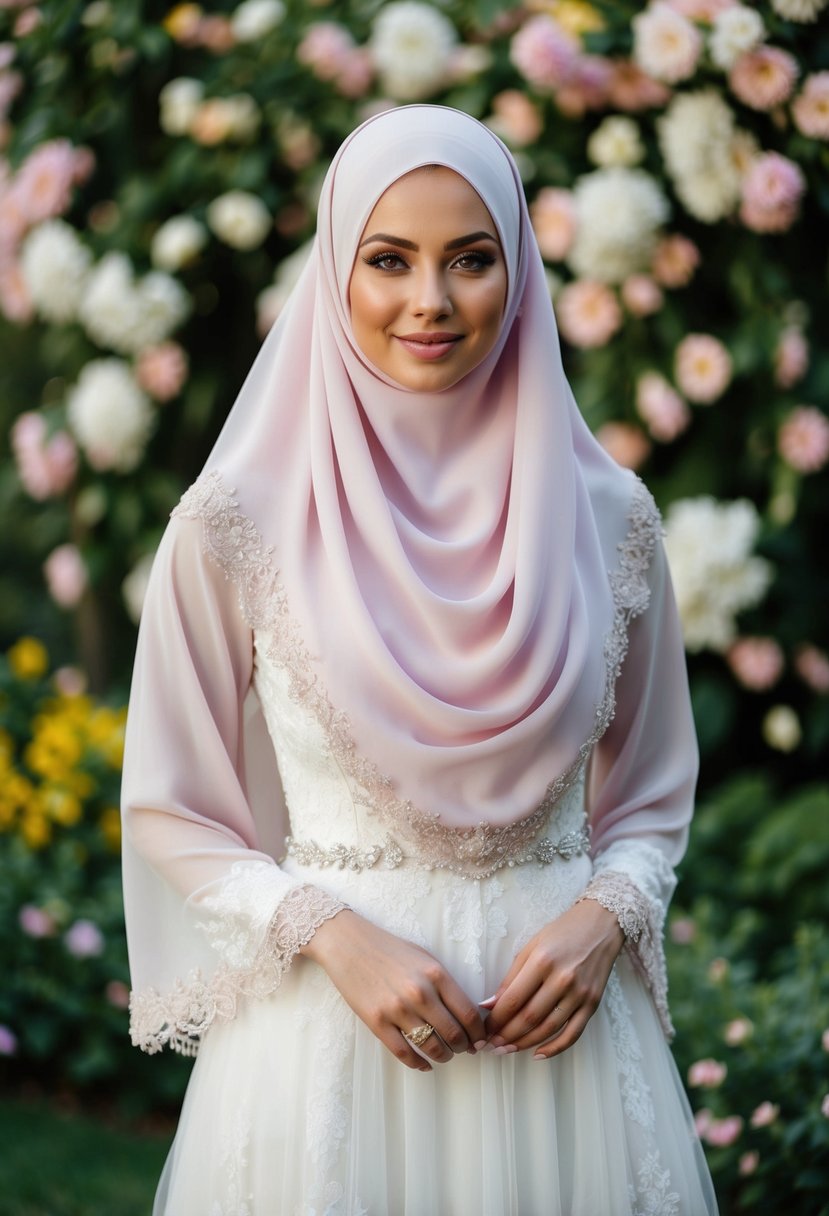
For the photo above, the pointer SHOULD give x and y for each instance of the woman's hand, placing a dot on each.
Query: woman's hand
(556, 982)
(394, 986)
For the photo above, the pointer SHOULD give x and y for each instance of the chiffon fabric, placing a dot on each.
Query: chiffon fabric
(425, 637)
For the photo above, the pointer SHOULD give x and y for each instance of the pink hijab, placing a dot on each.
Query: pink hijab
(445, 555)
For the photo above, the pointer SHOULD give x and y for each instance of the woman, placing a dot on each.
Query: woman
(410, 577)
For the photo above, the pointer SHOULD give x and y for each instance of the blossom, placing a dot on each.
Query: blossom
(703, 1120)
(8, 1041)
(223, 118)
(696, 136)
(736, 30)
(803, 11)
(763, 78)
(660, 407)
(619, 212)
(585, 87)
(737, 1031)
(35, 921)
(824, 1107)
(709, 546)
(723, 1132)
(162, 370)
(791, 357)
(54, 265)
(178, 102)
(588, 313)
(46, 466)
(641, 295)
(544, 53)
(117, 993)
(239, 218)
(84, 939)
(665, 44)
(812, 665)
(15, 301)
(254, 19)
(325, 49)
(781, 728)
(298, 143)
(126, 315)
(110, 415)
(66, 575)
(515, 118)
(411, 46)
(703, 368)
(44, 182)
(683, 930)
(629, 88)
(553, 215)
(674, 260)
(765, 1114)
(803, 439)
(810, 109)
(177, 242)
(707, 1073)
(756, 662)
(628, 445)
(748, 1163)
(771, 193)
(134, 586)
(616, 141)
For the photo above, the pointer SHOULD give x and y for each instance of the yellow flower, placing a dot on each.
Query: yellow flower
(28, 658)
(110, 825)
(181, 21)
(35, 830)
(106, 734)
(62, 806)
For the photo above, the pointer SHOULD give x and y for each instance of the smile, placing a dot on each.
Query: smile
(429, 346)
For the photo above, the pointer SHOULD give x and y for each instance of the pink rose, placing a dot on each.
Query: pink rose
(641, 295)
(660, 407)
(36, 922)
(683, 930)
(627, 445)
(586, 86)
(763, 78)
(629, 88)
(707, 1073)
(46, 467)
(765, 1114)
(553, 215)
(737, 1031)
(702, 1121)
(84, 939)
(702, 367)
(588, 313)
(723, 1132)
(66, 575)
(45, 179)
(325, 49)
(162, 370)
(515, 118)
(771, 191)
(118, 994)
(791, 357)
(674, 260)
(544, 53)
(803, 439)
(810, 110)
(748, 1163)
(756, 662)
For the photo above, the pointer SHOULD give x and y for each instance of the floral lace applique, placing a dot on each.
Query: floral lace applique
(652, 1196)
(470, 913)
(636, 1093)
(233, 542)
(233, 1172)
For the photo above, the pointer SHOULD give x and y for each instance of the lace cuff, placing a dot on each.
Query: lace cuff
(641, 920)
(178, 1019)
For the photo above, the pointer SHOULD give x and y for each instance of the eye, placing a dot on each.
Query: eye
(473, 259)
(386, 261)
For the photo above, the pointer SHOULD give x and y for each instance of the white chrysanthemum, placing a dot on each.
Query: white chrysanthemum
(134, 586)
(272, 300)
(696, 135)
(243, 116)
(709, 546)
(54, 265)
(735, 31)
(802, 11)
(618, 214)
(177, 242)
(411, 45)
(253, 19)
(239, 219)
(126, 316)
(666, 45)
(616, 142)
(178, 102)
(110, 416)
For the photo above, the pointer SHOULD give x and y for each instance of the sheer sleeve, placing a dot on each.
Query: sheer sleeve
(641, 783)
(210, 915)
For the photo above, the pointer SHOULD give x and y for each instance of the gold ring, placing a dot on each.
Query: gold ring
(419, 1035)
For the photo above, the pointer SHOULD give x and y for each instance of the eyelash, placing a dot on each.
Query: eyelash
(482, 260)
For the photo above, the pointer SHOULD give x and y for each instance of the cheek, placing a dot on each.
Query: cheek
(371, 304)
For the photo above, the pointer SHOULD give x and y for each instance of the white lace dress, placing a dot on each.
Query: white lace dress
(294, 1108)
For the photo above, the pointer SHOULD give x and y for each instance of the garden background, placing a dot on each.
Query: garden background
(159, 169)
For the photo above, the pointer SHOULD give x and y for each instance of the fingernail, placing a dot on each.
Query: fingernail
(488, 1003)
(481, 1045)
(506, 1049)
(497, 1041)
(539, 1057)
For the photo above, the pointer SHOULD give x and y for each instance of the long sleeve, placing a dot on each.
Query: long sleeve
(210, 914)
(641, 782)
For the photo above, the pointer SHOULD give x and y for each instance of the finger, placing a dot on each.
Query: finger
(434, 1047)
(514, 998)
(402, 1050)
(542, 1009)
(464, 1014)
(569, 1035)
(551, 1026)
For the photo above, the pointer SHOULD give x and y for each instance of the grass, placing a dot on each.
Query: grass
(61, 1164)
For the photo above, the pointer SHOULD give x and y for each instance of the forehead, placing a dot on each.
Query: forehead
(428, 198)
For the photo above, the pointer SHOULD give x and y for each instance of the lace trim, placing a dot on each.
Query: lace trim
(232, 541)
(640, 919)
(179, 1018)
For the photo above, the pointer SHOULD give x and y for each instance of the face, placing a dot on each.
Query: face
(429, 283)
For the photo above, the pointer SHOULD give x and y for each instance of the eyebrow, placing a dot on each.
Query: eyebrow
(457, 243)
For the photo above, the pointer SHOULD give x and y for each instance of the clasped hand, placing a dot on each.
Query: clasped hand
(544, 1001)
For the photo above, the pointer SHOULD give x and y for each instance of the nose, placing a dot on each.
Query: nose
(430, 294)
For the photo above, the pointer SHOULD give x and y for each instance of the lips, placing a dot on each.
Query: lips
(431, 345)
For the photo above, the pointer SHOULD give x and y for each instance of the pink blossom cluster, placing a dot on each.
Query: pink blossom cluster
(660, 407)
(162, 370)
(189, 26)
(46, 464)
(516, 118)
(702, 367)
(331, 53)
(683, 930)
(812, 665)
(737, 1031)
(791, 357)
(803, 439)
(707, 1074)
(674, 260)
(553, 215)
(765, 1114)
(66, 575)
(810, 109)
(763, 78)
(588, 313)
(36, 922)
(772, 188)
(84, 939)
(756, 662)
(628, 445)
(719, 1133)
(641, 295)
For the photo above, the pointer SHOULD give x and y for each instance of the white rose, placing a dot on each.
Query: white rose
(110, 416)
(412, 46)
(177, 242)
(162, 305)
(666, 45)
(802, 11)
(735, 31)
(781, 728)
(54, 265)
(697, 138)
(239, 219)
(618, 213)
(126, 316)
(616, 142)
(178, 101)
(253, 19)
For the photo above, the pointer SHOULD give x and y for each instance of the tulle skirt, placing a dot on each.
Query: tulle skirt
(295, 1109)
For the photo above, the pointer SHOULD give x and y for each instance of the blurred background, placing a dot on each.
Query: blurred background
(159, 171)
